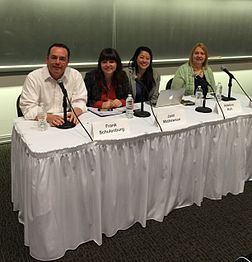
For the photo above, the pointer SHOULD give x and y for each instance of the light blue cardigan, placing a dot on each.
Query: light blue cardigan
(184, 78)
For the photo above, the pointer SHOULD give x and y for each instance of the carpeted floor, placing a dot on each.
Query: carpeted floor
(218, 231)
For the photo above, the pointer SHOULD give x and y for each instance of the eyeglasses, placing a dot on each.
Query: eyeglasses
(61, 59)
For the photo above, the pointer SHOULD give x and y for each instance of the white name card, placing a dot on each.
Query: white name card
(171, 117)
(229, 107)
(110, 129)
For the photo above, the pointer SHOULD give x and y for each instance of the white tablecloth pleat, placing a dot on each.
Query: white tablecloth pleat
(73, 195)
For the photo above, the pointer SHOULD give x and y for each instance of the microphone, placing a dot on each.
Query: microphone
(203, 108)
(231, 76)
(204, 84)
(141, 112)
(63, 89)
(67, 124)
(137, 111)
(214, 96)
(227, 72)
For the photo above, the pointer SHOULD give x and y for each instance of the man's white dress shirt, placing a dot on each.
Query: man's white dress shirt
(39, 87)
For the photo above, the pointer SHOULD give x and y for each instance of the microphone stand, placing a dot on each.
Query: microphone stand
(204, 101)
(244, 91)
(217, 101)
(229, 98)
(142, 103)
(67, 124)
(203, 108)
(141, 112)
(69, 102)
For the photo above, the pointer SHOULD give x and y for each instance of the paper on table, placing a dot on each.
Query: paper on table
(107, 112)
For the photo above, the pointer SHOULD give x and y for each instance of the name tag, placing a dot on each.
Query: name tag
(112, 129)
(229, 107)
(171, 117)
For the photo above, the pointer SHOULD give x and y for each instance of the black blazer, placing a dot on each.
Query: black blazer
(95, 90)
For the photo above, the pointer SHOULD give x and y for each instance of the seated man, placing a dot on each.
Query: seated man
(41, 86)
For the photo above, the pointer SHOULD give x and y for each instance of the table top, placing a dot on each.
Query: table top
(56, 139)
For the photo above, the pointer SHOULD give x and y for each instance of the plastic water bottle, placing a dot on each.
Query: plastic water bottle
(219, 90)
(198, 96)
(129, 106)
(41, 116)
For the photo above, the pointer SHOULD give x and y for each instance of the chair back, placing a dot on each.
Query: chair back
(168, 85)
(19, 112)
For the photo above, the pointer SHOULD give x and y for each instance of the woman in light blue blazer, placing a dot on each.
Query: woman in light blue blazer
(194, 72)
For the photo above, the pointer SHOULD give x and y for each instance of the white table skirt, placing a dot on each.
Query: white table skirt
(69, 196)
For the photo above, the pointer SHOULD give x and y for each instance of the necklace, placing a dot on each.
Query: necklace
(198, 72)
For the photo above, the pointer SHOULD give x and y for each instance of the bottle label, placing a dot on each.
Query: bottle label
(198, 98)
(41, 116)
(42, 124)
(129, 107)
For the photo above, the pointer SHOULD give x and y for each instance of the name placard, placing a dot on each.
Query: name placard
(229, 107)
(171, 117)
(110, 129)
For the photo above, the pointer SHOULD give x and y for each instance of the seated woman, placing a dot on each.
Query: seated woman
(108, 85)
(195, 72)
(140, 68)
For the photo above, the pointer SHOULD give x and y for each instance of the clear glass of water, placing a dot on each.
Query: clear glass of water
(41, 116)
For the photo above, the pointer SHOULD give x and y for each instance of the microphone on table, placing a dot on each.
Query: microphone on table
(63, 89)
(137, 112)
(67, 124)
(65, 97)
(203, 108)
(231, 76)
(217, 101)
(141, 112)
(227, 72)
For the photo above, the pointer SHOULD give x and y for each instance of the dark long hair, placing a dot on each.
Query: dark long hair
(110, 54)
(148, 78)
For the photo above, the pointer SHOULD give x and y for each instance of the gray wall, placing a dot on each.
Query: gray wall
(11, 86)
(168, 27)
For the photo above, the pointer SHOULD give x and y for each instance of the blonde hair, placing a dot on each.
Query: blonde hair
(201, 45)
